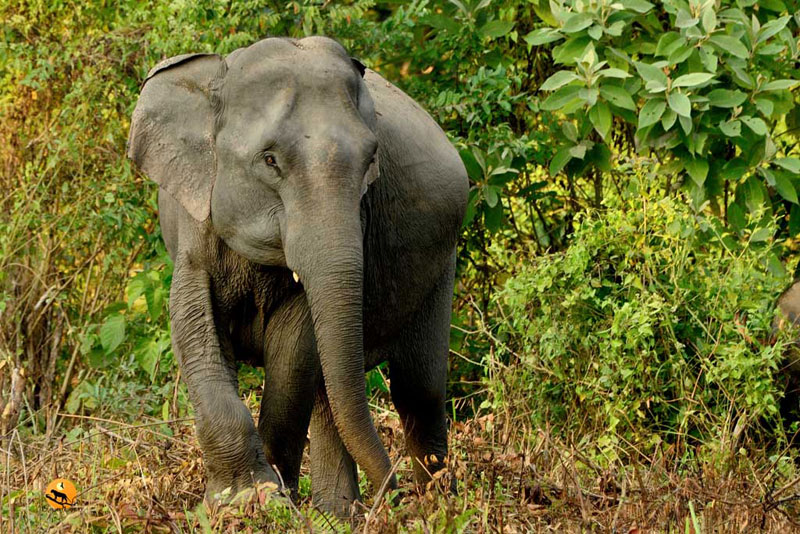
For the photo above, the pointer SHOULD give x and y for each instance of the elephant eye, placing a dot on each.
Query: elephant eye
(269, 159)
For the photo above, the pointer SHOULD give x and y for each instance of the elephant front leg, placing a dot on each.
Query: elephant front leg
(292, 372)
(232, 452)
(334, 476)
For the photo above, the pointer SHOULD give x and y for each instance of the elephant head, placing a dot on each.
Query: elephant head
(273, 147)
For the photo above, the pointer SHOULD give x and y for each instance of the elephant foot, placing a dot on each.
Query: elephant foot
(240, 486)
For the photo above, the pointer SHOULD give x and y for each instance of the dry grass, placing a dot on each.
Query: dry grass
(512, 478)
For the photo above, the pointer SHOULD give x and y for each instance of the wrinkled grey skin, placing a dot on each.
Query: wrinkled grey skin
(281, 158)
(787, 317)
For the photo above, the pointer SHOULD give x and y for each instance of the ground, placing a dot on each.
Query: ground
(148, 477)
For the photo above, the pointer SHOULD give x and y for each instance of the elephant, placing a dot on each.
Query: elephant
(311, 210)
(788, 316)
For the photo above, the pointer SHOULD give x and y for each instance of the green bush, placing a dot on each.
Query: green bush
(651, 326)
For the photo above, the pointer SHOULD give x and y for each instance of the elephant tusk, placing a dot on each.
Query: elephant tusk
(296, 277)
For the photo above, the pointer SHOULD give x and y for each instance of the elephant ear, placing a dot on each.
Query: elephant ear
(172, 129)
(367, 109)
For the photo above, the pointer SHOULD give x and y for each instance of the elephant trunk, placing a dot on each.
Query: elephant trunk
(330, 267)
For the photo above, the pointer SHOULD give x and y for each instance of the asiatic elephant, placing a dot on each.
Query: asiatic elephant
(788, 316)
(311, 209)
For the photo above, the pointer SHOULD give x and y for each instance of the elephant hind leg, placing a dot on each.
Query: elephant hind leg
(334, 476)
(292, 372)
(418, 372)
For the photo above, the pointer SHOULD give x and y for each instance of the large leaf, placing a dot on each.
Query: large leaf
(576, 22)
(680, 104)
(561, 97)
(785, 187)
(600, 115)
(692, 80)
(474, 170)
(651, 73)
(779, 85)
(495, 28)
(732, 128)
(543, 36)
(112, 332)
(560, 159)
(772, 28)
(559, 79)
(731, 45)
(651, 112)
(668, 43)
(790, 164)
(640, 6)
(697, 169)
(726, 98)
(757, 125)
(618, 96)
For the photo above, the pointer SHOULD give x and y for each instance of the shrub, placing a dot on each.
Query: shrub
(653, 325)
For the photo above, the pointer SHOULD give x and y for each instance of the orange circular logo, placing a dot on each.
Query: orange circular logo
(60, 493)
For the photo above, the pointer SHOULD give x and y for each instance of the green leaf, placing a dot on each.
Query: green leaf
(680, 104)
(543, 36)
(731, 128)
(589, 95)
(579, 150)
(651, 73)
(571, 50)
(640, 6)
(616, 28)
(154, 296)
(600, 115)
(729, 44)
(726, 98)
(680, 54)
(490, 195)
(472, 208)
(668, 119)
(600, 157)
(760, 235)
(734, 169)
(560, 159)
(557, 80)
(757, 125)
(474, 170)
(617, 96)
(495, 28)
(692, 80)
(753, 192)
(668, 43)
(686, 124)
(736, 216)
(779, 85)
(576, 22)
(708, 57)
(772, 28)
(785, 187)
(614, 73)
(765, 106)
(493, 217)
(684, 19)
(709, 19)
(651, 112)
(790, 164)
(112, 332)
(697, 169)
(560, 98)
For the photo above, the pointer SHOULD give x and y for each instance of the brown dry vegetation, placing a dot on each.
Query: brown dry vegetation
(511, 478)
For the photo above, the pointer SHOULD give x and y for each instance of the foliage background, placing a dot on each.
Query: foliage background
(634, 171)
